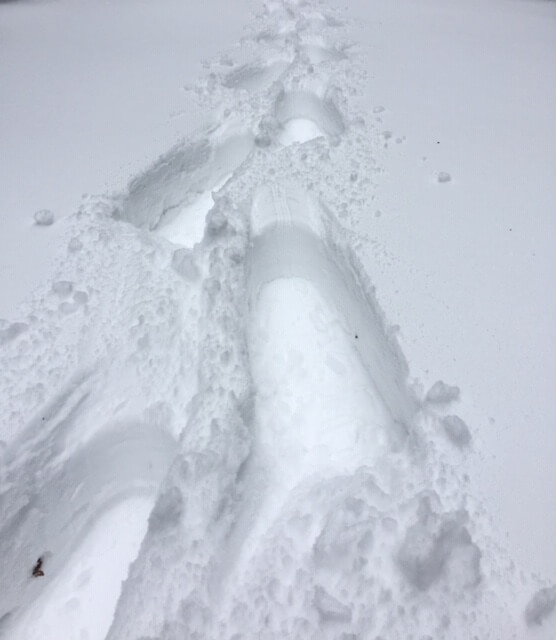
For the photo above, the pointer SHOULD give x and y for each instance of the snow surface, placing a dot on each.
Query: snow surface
(465, 267)
(210, 429)
(91, 93)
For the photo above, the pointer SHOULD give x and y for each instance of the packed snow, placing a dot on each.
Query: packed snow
(210, 429)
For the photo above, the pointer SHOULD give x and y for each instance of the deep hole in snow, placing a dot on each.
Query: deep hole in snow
(300, 130)
(304, 116)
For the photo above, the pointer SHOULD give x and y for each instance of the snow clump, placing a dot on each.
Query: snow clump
(10, 331)
(456, 430)
(541, 605)
(443, 177)
(442, 393)
(183, 262)
(44, 217)
(63, 288)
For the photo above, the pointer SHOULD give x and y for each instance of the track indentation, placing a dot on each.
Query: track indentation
(304, 116)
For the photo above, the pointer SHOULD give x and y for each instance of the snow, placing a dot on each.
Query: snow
(464, 267)
(98, 92)
(44, 217)
(442, 393)
(456, 430)
(437, 545)
(80, 601)
(211, 427)
(541, 606)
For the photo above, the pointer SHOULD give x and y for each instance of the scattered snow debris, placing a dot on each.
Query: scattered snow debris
(44, 217)
(443, 176)
(37, 569)
(541, 605)
(442, 393)
(456, 430)
(183, 261)
(63, 288)
(75, 244)
(330, 609)
(9, 332)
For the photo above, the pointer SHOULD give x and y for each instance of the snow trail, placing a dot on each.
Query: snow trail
(233, 380)
(300, 353)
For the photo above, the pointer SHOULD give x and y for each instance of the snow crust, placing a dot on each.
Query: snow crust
(211, 430)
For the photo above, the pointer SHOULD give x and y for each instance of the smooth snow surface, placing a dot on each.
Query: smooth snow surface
(210, 430)
(80, 601)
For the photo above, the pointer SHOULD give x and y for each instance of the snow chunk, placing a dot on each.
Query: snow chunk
(541, 605)
(456, 430)
(216, 224)
(330, 609)
(63, 288)
(443, 177)
(44, 217)
(183, 261)
(442, 393)
(9, 332)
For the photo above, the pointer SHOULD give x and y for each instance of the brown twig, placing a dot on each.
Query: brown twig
(37, 569)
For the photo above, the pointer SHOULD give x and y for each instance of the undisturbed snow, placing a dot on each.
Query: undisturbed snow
(209, 427)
